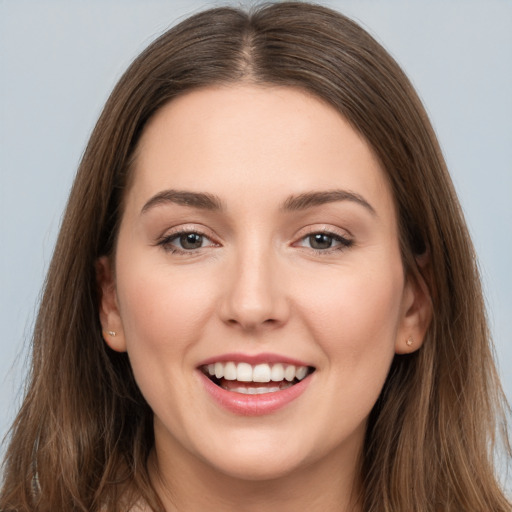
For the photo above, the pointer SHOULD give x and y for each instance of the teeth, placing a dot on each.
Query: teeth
(277, 373)
(260, 390)
(289, 373)
(230, 371)
(261, 373)
(244, 372)
(301, 372)
(219, 370)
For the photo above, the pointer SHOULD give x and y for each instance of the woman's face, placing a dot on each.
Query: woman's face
(258, 243)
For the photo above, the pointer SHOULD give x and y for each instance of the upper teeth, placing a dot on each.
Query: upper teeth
(245, 372)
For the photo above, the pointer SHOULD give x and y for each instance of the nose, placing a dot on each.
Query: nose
(255, 292)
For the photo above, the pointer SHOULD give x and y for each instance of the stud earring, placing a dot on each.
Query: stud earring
(409, 341)
(112, 333)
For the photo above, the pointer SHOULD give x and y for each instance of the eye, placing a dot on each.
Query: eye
(189, 241)
(323, 241)
(185, 241)
(320, 241)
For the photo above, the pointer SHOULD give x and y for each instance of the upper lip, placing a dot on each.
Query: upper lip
(253, 359)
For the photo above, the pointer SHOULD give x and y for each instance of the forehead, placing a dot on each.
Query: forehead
(252, 140)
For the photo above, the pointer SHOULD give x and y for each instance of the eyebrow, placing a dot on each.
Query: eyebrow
(205, 201)
(311, 199)
(198, 200)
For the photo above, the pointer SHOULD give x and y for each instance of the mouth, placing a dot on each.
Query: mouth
(257, 379)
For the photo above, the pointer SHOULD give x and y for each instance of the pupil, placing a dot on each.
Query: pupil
(320, 241)
(191, 241)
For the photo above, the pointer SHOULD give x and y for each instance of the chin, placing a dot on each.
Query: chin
(259, 468)
(261, 456)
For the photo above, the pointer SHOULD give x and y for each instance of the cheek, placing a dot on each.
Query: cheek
(355, 320)
(162, 312)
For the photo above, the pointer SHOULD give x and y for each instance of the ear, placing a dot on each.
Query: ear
(416, 312)
(110, 317)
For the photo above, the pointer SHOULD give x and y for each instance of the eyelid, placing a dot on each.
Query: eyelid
(346, 239)
(171, 234)
(327, 229)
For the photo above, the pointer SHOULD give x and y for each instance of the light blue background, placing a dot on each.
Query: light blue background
(60, 59)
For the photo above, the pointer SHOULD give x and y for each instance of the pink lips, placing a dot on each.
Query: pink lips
(253, 405)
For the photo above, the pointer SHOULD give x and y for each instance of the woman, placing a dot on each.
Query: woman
(263, 295)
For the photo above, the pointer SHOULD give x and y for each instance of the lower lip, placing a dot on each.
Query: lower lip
(253, 405)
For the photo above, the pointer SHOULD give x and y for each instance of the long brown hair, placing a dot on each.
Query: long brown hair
(84, 432)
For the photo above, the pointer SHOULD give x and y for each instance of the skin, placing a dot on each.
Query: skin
(258, 286)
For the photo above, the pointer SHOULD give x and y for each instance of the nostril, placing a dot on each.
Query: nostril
(249, 323)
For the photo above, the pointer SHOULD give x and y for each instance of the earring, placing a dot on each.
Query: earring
(112, 333)
(409, 341)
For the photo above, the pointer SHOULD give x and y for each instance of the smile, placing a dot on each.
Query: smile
(249, 379)
(254, 385)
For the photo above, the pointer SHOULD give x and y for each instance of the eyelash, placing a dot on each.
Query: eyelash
(166, 242)
(344, 243)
